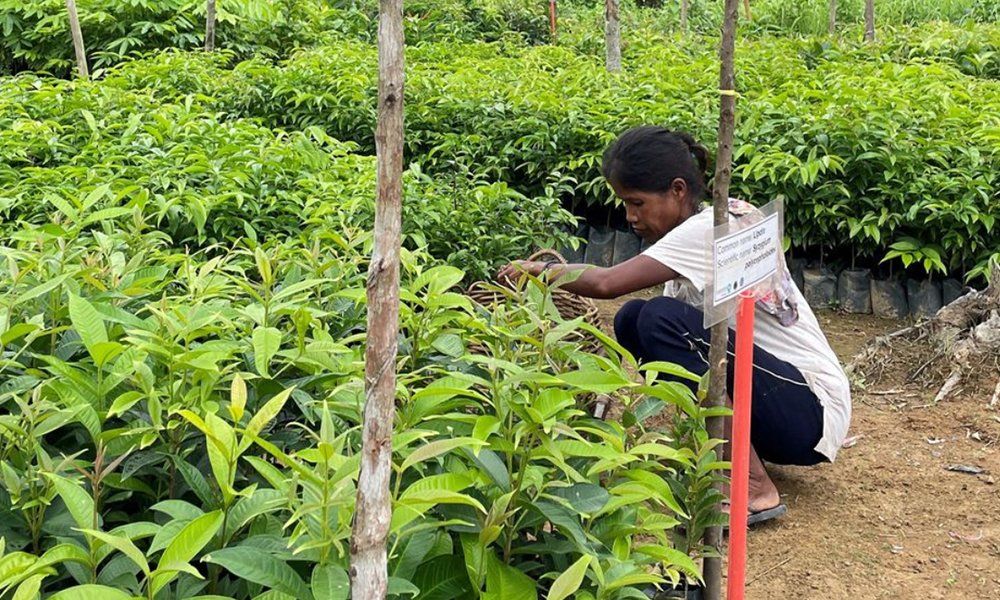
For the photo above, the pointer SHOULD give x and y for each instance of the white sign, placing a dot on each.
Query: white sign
(744, 258)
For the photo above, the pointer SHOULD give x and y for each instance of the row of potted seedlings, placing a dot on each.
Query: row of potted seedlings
(851, 290)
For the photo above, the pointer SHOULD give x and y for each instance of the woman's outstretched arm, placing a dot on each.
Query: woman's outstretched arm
(635, 274)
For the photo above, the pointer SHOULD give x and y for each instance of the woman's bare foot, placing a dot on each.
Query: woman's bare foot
(763, 494)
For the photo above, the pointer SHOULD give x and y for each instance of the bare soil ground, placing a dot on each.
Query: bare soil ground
(888, 519)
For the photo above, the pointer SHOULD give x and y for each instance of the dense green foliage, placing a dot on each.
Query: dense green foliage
(202, 181)
(866, 151)
(183, 253)
(181, 369)
(35, 35)
(166, 405)
(810, 17)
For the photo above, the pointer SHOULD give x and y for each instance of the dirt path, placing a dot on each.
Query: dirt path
(887, 520)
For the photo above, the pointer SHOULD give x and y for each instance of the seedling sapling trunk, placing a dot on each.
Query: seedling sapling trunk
(77, 34)
(720, 202)
(368, 573)
(612, 37)
(869, 20)
(209, 25)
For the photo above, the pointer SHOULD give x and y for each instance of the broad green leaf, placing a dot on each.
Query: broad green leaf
(123, 545)
(491, 465)
(28, 590)
(90, 592)
(178, 509)
(88, 323)
(438, 448)
(264, 416)
(77, 500)
(449, 344)
(262, 568)
(593, 380)
(124, 402)
(671, 558)
(402, 587)
(569, 581)
(237, 398)
(585, 498)
(410, 552)
(246, 509)
(266, 343)
(222, 452)
(186, 545)
(504, 582)
(443, 578)
(42, 288)
(330, 582)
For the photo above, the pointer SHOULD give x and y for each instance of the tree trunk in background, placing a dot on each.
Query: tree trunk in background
(746, 9)
(369, 577)
(717, 393)
(74, 29)
(612, 37)
(685, 9)
(832, 23)
(210, 26)
(869, 20)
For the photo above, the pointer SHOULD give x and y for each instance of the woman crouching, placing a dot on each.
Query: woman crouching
(801, 404)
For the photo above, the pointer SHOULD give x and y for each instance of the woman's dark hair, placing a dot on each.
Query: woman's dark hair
(649, 158)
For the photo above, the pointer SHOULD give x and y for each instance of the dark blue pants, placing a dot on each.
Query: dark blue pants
(786, 417)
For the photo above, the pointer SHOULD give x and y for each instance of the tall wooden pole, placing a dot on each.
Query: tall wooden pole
(552, 20)
(372, 513)
(210, 26)
(685, 9)
(612, 37)
(832, 21)
(869, 20)
(717, 358)
(77, 34)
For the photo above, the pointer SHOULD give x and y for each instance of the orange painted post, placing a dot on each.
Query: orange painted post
(738, 508)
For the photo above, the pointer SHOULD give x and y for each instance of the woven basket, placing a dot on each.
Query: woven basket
(569, 305)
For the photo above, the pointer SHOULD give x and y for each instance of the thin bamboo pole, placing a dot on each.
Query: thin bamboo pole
(77, 35)
(369, 577)
(717, 355)
(210, 26)
(612, 37)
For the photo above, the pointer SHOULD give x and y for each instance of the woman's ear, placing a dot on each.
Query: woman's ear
(679, 187)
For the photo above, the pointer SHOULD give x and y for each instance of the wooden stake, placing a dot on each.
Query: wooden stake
(74, 30)
(717, 395)
(832, 22)
(552, 20)
(372, 513)
(685, 9)
(210, 26)
(869, 20)
(612, 37)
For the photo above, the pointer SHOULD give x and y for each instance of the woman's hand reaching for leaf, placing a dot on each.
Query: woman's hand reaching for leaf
(515, 269)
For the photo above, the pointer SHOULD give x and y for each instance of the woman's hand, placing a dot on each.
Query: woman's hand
(516, 268)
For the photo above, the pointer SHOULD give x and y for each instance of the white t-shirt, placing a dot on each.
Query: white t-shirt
(687, 251)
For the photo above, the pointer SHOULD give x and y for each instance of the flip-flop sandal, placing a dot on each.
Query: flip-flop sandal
(761, 516)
